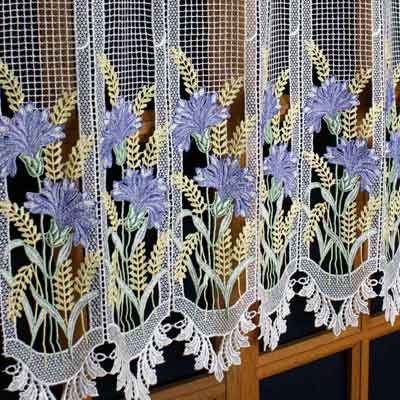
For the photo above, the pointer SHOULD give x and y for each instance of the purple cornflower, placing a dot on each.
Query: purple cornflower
(28, 131)
(195, 116)
(144, 193)
(70, 208)
(119, 123)
(271, 105)
(393, 150)
(232, 182)
(357, 159)
(281, 164)
(327, 101)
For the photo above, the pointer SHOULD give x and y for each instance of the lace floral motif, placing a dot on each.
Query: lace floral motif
(65, 218)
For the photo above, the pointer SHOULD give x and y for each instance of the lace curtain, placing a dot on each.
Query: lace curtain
(211, 159)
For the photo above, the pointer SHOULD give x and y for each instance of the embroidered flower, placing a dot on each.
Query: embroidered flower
(120, 123)
(145, 193)
(233, 183)
(357, 159)
(393, 150)
(271, 105)
(390, 95)
(327, 101)
(70, 208)
(195, 116)
(28, 131)
(281, 164)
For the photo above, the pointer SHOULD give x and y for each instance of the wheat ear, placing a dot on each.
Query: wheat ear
(186, 69)
(53, 161)
(64, 289)
(321, 168)
(110, 78)
(189, 245)
(78, 156)
(230, 91)
(192, 192)
(86, 273)
(317, 213)
(348, 227)
(22, 221)
(318, 59)
(64, 108)
(17, 293)
(237, 145)
(112, 212)
(143, 98)
(12, 89)
(137, 269)
(158, 254)
(153, 147)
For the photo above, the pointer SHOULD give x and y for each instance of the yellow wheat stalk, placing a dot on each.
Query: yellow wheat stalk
(348, 226)
(158, 254)
(237, 146)
(112, 212)
(110, 78)
(186, 69)
(230, 91)
(368, 213)
(137, 269)
(114, 295)
(317, 213)
(64, 108)
(241, 247)
(290, 218)
(321, 168)
(64, 288)
(360, 80)
(53, 161)
(78, 156)
(192, 193)
(219, 139)
(12, 89)
(22, 221)
(223, 255)
(349, 123)
(153, 147)
(288, 123)
(133, 157)
(189, 246)
(281, 83)
(17, 293)
(368, 122)
(394, 210)
(318, 59)
(263, 191)
(143, 98)
(277, 232)
(87, 272)
(275, 126)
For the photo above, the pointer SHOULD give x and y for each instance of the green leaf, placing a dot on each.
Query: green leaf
(197, 222)
(36, 259)
(64, 253)
(78, 307)
(326, 195)
(225, 224)
(147, 292)
(51, 310)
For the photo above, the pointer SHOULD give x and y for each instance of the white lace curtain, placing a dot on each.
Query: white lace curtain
(209, 158)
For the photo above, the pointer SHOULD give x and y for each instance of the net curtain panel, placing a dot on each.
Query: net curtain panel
(206, 159)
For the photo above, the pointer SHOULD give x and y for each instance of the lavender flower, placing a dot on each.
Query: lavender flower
(281, 165)
(24, 135)
(393, 150)
(120, 123)
(145, 193)
(326, 102)
(357, 159)
(195, 116)
(70, 208)
(270, 107)
(233, 183)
